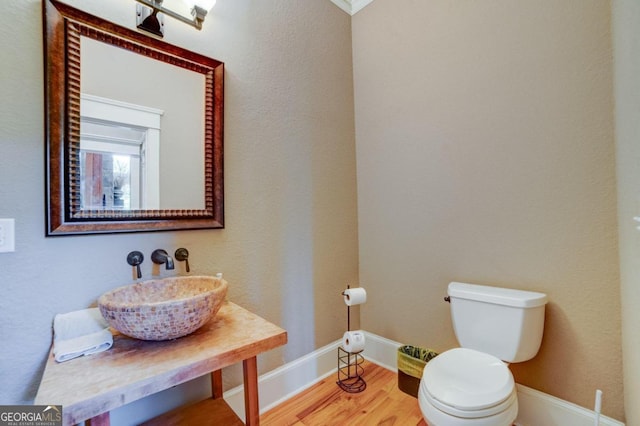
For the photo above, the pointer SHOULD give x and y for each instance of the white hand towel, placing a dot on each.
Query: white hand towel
(79, 333)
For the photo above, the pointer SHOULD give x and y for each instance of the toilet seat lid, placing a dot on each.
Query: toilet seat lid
(468, 380)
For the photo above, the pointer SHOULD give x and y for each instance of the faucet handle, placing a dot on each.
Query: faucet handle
(182, 254)
(135, 258)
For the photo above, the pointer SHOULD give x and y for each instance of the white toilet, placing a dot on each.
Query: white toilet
(472, 385)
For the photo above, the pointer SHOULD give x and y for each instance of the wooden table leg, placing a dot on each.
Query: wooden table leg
(100, 420)
(216, 384)
(251, 405)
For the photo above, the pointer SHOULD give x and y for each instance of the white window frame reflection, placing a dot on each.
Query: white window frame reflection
(120, 128)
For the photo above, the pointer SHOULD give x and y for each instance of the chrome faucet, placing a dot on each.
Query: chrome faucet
(160, 256)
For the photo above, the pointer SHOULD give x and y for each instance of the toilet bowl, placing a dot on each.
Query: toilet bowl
(472, 385)
(465, 387)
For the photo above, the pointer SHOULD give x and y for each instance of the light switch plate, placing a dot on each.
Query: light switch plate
(7, 235)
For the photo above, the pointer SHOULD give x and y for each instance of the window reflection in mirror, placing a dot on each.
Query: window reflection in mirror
(113, 168)
(119, 155)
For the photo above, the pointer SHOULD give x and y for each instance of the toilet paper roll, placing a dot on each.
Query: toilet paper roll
(355, 296)
(353, 341)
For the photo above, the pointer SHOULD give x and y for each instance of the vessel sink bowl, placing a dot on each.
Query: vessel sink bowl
(163, 309)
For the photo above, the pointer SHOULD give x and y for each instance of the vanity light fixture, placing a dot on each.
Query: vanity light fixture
(148, 19)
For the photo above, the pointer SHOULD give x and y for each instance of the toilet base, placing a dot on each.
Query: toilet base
(435, 417)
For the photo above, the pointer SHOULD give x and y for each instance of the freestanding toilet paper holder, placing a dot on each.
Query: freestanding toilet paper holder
(350, 368)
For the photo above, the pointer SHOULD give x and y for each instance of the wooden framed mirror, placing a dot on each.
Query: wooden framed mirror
(134, 129)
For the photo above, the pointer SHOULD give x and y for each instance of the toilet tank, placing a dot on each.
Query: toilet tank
(505, 323)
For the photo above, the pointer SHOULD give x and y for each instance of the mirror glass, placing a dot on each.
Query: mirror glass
(162, 107)
(134, 129)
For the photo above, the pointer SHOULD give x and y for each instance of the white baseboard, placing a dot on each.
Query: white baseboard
(535, 408)
(538, 408)
(288, 380)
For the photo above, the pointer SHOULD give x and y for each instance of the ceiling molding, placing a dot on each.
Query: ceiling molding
(351, 6)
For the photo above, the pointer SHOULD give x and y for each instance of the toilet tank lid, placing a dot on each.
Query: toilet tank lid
(497, 295)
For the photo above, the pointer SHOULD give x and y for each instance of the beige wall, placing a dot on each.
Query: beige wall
(485, 154)
(626, 20)
(290, 242)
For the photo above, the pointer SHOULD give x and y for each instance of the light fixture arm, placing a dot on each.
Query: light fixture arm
(198, 13)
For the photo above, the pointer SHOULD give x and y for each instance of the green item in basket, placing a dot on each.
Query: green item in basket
(412, 359)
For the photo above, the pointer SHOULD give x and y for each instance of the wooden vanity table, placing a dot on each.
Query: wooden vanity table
(89, 387)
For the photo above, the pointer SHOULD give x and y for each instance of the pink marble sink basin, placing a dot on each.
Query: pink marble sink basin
(163, 309)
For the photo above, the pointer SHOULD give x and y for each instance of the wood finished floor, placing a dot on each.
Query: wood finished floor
(325, 404)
